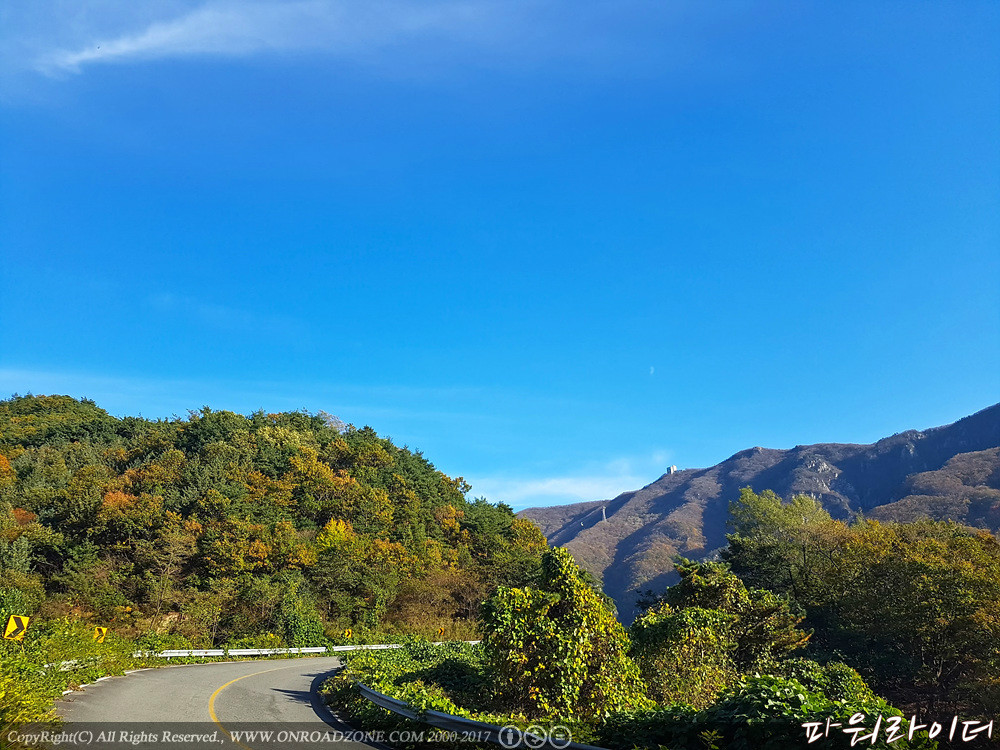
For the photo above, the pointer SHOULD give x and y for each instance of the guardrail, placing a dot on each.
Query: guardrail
(175, 653)
(65, 666)
(171, 653)
(509, 737)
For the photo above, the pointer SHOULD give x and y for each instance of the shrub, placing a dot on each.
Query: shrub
(758, 713)
(54, 655)
(684, 656)
(558, 650)
(835, 681)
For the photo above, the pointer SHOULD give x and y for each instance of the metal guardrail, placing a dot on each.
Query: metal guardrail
(238, 651)
(469, 728)
(182, 652)
(66, 666)
(269, 651)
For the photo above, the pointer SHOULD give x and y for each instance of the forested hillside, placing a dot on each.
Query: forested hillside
(223, 528)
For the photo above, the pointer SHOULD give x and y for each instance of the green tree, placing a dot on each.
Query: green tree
(707, 630)
(557, 650)
(298, 620)
(918, 607)
(151, 515)
(763, 626)
(685, 657)
(915, 607)
(782, 546)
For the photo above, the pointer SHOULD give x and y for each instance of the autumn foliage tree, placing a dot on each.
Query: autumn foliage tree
(915, 607)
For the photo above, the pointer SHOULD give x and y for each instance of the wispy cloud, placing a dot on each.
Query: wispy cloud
(592, 483)
(163, 396)
(231, 29)
(223, 317)
(398, 37)
(522, 493)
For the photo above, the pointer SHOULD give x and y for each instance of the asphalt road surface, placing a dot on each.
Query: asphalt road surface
(210, 707)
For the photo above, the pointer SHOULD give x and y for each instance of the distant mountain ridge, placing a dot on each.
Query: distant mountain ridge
(629, 541)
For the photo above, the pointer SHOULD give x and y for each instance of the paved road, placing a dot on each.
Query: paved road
(211, 706)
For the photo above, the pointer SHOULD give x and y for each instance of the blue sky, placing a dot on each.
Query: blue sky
(556, 246)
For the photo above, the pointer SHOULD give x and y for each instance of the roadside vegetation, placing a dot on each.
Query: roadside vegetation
(59, 655)
(805, 619)
(712, 665)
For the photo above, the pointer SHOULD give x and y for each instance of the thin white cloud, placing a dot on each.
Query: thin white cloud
(397, 37)
(230, 29)
(522, 493)
(223, 317)
(599, 483)
(161, 397)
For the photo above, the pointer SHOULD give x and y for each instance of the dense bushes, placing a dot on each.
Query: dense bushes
(835, 681)
(714, 655)
(453, 678)
(761, 711)
(685, 656)
(54, 655)
(708, 630)
(557, 650)
(448, 678)
(757, 713)
(915, 607)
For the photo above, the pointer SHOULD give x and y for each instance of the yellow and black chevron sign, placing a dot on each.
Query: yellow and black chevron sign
(100, 634)
(16, 626)
(348, 633)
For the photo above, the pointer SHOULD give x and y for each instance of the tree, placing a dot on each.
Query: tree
(915, 607)
(123, 518)
(707, 630)
(918, 607)
(779, 545)
(557, 650)
(298, 620)
(357, 576)
(8, 477)
(764, 626)
(684, 656)
(151, 514)
(175, 545)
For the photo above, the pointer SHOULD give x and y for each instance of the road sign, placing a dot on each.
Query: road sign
(100, 634)
(440, 632)
(348, 633)
(16, 626)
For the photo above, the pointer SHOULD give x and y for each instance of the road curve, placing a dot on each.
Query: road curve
(212, 706)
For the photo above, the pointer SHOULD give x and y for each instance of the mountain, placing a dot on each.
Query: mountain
(628, 542)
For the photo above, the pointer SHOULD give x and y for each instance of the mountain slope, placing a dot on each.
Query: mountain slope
(944, 472)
